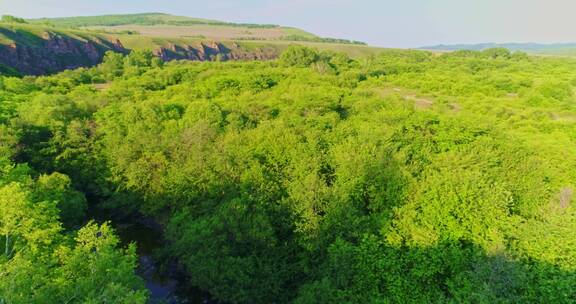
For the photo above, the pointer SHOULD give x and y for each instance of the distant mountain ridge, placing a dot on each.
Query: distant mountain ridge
(530, 47)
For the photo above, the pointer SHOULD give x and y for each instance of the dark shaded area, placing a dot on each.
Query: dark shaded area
(164, 277)
(372, 272)
(35, 55)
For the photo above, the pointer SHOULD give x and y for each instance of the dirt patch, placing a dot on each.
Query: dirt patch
(560, 117)
(565, 197)
(420, 102)
(387, 92)
(454, 107)
(101, 86)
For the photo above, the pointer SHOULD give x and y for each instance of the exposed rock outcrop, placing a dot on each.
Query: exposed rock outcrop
(53, 53)
(213, 51)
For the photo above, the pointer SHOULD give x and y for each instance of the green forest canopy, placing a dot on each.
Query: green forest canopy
(408, 177)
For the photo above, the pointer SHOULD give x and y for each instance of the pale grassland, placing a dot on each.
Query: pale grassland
(208, 31)
(217, 32)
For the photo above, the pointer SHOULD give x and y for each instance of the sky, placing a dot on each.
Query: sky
(386, 23)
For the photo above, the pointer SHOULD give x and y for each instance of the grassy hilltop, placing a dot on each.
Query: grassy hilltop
(124, 19)
(165, 25)
(40, 46)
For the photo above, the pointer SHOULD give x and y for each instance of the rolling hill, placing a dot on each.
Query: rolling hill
(165, 25)
(43, 46)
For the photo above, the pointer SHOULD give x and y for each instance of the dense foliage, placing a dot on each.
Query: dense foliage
(42, 261)
(12, 19)
(409, 177)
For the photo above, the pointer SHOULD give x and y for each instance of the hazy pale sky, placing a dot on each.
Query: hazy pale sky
(389, 23)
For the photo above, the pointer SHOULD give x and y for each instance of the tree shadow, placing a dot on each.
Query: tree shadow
(373, 272)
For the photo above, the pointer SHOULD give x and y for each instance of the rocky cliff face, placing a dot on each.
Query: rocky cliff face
(52, 53)
(213, 51)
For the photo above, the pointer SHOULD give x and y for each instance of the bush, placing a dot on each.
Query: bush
(12, 19)
(299, 56)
